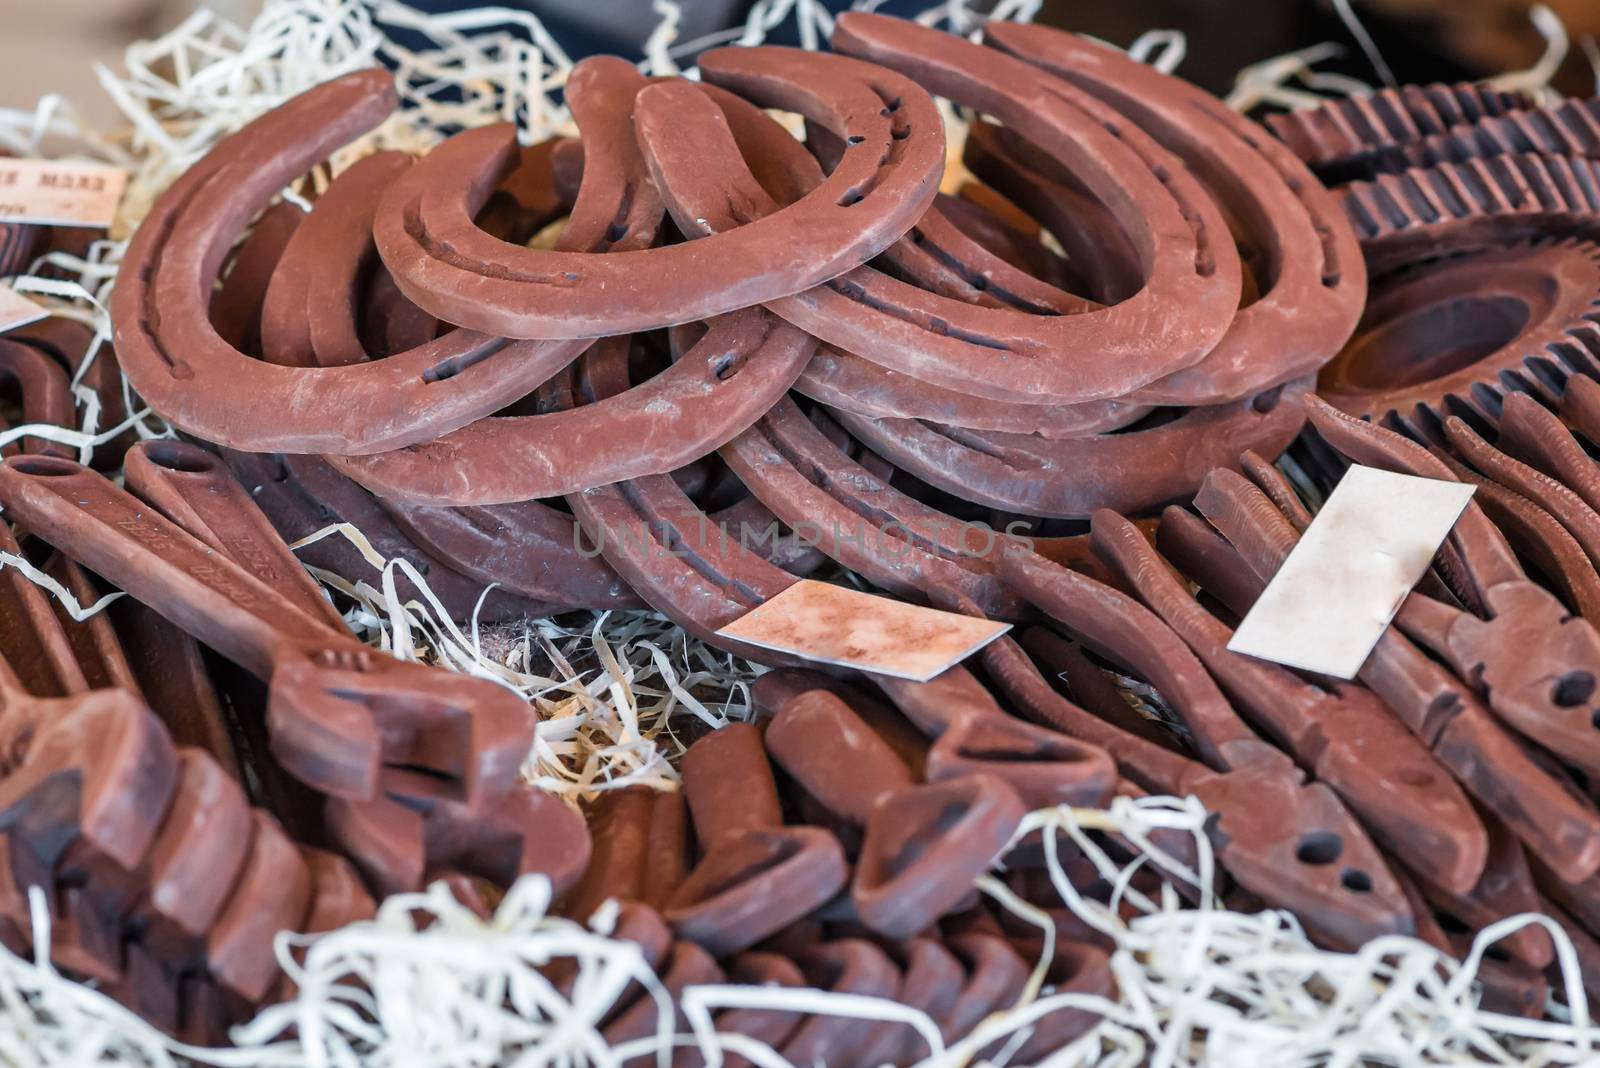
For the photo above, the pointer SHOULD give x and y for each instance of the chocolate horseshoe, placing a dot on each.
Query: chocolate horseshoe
(1311, 281)
(440, 258)
(182, 368)
(45, 396)
(1133, 471)
(992, 352)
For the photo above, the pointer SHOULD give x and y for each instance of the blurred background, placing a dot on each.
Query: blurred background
(49, 46)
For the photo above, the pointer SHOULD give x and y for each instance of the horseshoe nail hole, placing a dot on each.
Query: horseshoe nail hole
(893, 106)
(1573, 689)
(854, 139)
(1319, 847)
(726, 367)
(900, 133)
(851, 197)
(1262, 403)
(43, 466)
(1356, 881)
(178, 456)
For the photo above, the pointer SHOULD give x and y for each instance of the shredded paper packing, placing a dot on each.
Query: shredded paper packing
(427, 982)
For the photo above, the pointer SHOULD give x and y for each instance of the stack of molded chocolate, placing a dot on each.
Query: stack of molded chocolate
(685, 358)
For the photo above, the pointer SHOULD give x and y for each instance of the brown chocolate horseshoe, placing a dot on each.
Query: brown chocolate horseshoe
(45, 396)
(992, 352)
(1133, 471)
(1311, 280)
(182, 368)
(446, 264)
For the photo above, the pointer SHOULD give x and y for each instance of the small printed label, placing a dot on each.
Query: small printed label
(17, 310)
(835, 625)
(59, 192)
(1345, 579)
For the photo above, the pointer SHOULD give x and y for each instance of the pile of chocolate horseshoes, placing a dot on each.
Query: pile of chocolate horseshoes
(1094, 352)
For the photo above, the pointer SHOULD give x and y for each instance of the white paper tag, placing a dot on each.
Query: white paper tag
(17, 310)
(1344, 581)
(848, 628)
(59, 192)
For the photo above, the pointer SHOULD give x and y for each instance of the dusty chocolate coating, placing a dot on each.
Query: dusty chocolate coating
(833, 754)
(753, 884)
(37, 655)
(1307, 269)
(529, 548)
(1535, 696)
(849, 383)
(1423, 213)
(447, 265)
(310, 312)
(398, 847)
(69, 343)
(333, 258)
(714, 390)
(934, 254)
(1558, 500)
(1034, 181)
(859, 519)
(1536, 435)
(193, 488)
(301, 495)
(1134, 471)
(1044, 767)
(983, 215)
(845, 966)
(717, 389)
(172, 675)
(925, 846)
(94, 640)
(1562, 556)
(237, 303)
